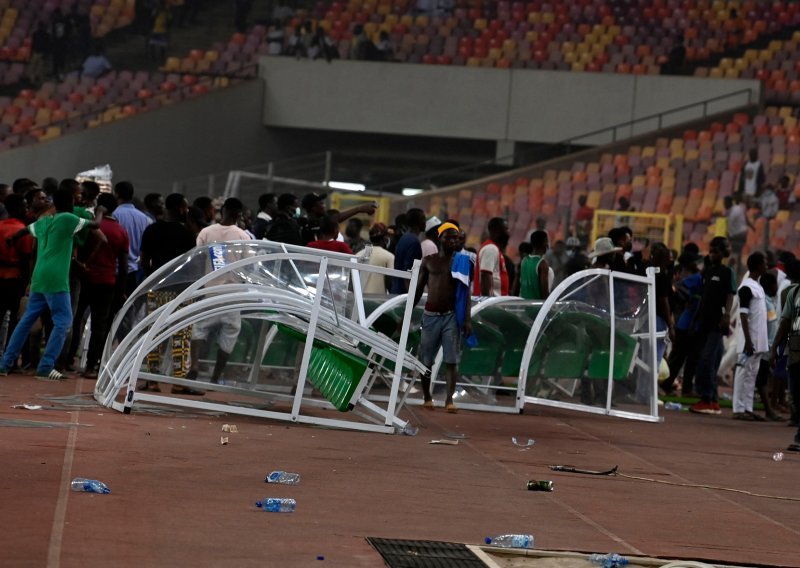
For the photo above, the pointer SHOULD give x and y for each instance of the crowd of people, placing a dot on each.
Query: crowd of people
(92, 250)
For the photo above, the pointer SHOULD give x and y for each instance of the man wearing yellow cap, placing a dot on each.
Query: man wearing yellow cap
(439, 322)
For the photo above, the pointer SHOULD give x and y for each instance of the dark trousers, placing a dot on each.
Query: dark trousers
(98, 299)
(706, 379)
(685, 353)
(794, 392)
(11, 292)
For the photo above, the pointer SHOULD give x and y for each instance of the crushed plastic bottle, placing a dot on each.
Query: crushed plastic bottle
(610, 560)
(510, 541)
(777, 456)
(283, 477)
(410, 430)
(673, 406)
(277, 505)
(522, 442)
(89, 486)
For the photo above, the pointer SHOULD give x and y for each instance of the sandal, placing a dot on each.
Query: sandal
(451, 408)
(428, 405)
(187, 390)
(795, 447)
(744, 416)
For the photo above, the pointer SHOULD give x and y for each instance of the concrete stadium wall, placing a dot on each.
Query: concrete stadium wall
(212, 133)
(484, 104)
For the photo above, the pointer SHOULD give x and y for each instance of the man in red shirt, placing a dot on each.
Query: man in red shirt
(106, 272)
(14, 259)
(583, 221)
(328, 233)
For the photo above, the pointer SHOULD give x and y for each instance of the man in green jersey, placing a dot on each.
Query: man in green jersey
(535, 276)
(49, 284)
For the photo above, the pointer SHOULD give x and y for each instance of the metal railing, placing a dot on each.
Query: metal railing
(520, 159)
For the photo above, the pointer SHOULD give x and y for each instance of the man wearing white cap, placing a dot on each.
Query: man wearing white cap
(603, 252)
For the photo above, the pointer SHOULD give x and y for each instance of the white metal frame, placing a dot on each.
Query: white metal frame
(121, 365)
(554, 297)
(648, 366)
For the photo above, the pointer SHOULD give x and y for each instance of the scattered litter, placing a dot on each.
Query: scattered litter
(89, 486)
(284, 477)
(14, 423)
(526, 445)
(455, 435)
(510, 541)
(320, 557)
(445, 442)
(540, 485)
(610, 560)
(223, 441)
(410, 430)
(232, 428)
(777, 456)
(276, 505)
(28, 406)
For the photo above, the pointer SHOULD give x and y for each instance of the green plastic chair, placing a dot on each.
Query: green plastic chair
(515, 336)
(625, 347)
(566, 351)
(484, 359)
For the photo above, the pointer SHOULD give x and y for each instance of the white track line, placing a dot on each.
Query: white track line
(57, 532)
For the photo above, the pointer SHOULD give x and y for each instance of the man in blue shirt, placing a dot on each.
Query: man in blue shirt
(134, 222)
(684, 353)
(408, 248)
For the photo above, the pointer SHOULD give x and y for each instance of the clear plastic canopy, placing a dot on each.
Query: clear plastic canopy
(283, 313)
(289, 315)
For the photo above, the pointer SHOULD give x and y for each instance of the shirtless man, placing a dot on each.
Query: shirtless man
(439, 321)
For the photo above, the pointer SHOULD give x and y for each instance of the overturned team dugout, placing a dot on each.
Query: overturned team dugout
(306, 346)
(591, 346)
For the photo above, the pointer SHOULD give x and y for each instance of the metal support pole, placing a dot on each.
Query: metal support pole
(270, 176)
(328, 166)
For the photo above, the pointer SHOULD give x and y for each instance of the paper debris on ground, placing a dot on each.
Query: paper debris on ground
(445, 442)
(27, 406)
(232, 428)
(223, 441)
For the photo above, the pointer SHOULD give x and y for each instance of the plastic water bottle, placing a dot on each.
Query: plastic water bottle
(284, 477)
(277, 505)
(89, 486)
(511, 541)
(673, 406)
(610, 560)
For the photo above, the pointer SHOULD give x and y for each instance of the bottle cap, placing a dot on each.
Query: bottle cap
(488, 540)
(259, 504)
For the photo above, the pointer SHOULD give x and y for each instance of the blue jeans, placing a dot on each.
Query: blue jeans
(61, 313)
(706, 379)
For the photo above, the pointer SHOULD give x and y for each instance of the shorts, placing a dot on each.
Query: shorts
(228, 333)
(439, 330)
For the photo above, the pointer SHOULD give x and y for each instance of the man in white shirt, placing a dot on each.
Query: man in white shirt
(226, 326)
(752, 176)
(738, 225)
(371, 282)
(752, 340)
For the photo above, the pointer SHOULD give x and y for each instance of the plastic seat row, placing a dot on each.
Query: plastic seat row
(647, 28)
(19, 18)
(777, 66)
(688, 175)
(79, 103)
